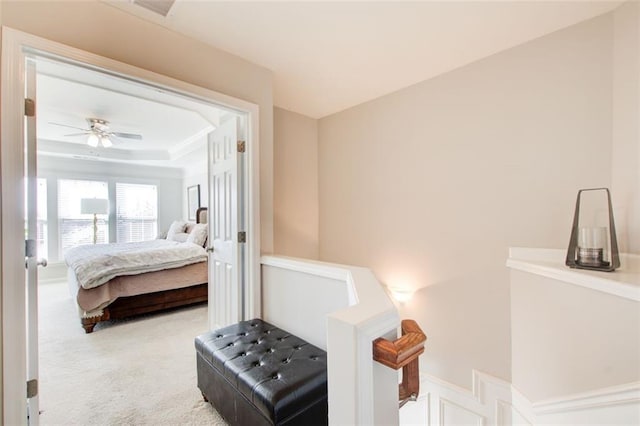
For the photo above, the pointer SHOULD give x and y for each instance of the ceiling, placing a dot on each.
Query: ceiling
(173, 129)
(327, 56)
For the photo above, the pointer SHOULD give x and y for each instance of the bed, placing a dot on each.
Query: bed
(114, 281)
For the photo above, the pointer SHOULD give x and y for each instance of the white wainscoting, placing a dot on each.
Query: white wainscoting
(616, 405)
(493, 401)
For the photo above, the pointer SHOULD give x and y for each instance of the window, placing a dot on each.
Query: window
(74, 227)
(136, 212)
(41, 230)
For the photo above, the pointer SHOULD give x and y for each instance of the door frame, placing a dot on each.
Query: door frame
(16, 45)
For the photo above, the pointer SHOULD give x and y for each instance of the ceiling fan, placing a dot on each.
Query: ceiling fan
(98, 133)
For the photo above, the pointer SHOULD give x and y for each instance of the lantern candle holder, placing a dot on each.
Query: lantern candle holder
(589, 246)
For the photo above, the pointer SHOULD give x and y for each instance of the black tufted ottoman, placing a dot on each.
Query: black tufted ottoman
(254, 373)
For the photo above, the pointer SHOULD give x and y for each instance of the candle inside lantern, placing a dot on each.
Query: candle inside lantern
(591, 245)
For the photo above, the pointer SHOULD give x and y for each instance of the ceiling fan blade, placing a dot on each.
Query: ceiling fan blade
(127, 135)
(116, 140)
(64, 125)
(78, 134)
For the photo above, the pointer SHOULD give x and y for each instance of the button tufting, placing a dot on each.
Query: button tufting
(303, 379)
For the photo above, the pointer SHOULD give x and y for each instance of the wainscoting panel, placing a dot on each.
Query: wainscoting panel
(493, 401)
(442, 403)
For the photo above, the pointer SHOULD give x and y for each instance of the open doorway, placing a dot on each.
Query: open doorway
(148, 148)
(24, 47)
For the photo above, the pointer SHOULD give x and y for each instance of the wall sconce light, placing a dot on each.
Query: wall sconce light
(593, 244)
(400, 294)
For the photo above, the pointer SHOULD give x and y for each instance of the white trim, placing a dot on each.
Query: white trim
(624, 282)
(500, 403)
(15, 47)
(55, 272)
(12, 267)
(605, 397)
(311, 267)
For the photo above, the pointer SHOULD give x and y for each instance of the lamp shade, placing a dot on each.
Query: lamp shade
(94, 206)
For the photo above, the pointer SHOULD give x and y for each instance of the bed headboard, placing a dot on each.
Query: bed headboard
(202, 215)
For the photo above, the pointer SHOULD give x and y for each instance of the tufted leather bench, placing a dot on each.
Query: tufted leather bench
(254, 373)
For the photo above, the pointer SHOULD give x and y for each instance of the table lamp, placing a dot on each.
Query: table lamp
(94, 206)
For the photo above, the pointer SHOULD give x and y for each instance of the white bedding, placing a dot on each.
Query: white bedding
(96, 264)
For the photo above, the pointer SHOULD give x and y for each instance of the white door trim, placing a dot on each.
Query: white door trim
(15, 46)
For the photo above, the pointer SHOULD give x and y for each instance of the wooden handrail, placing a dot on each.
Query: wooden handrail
(403, 353)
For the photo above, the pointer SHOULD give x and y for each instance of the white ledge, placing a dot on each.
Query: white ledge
(623, 282)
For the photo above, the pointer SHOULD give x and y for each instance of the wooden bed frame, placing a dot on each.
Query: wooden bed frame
(145, 303)
(124, 307)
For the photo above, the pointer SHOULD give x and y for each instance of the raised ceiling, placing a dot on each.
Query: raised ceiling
(171, 127)
(330, 55)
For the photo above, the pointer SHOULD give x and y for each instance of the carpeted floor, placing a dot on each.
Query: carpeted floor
(134, 372)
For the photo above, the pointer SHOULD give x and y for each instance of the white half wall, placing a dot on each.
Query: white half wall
(344, 309)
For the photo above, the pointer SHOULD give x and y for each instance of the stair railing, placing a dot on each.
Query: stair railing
(403, 353)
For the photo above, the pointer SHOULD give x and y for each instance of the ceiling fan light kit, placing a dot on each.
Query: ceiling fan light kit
(98, 133)
(93, 140)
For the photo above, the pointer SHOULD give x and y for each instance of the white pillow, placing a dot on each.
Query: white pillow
(176, 227)
(180, 237)
(198, 234)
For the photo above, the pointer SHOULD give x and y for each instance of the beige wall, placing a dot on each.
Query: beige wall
(295, 161)
(107, 31)
(430, 185)
(626, 125)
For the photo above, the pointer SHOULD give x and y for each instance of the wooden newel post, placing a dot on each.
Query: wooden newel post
(403, 353)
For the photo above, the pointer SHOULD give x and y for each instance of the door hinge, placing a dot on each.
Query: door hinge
(242, 146)
(242, 237)
(32, 388)
(30, 248)
(29, 107)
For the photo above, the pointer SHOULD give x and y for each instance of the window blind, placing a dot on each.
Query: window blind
(75, 228)
(136, 212)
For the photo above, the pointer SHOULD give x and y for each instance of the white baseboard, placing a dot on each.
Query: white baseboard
(493, 401)
(54, 272)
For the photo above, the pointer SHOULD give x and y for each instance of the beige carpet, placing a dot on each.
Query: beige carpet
(134, 372)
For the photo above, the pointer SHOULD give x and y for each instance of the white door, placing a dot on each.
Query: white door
(31, 260)
(226, 222)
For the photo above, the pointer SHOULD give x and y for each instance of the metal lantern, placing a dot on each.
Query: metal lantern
(593, 244)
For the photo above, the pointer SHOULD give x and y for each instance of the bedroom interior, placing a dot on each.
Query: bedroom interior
(436, 187)
(169, 153)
